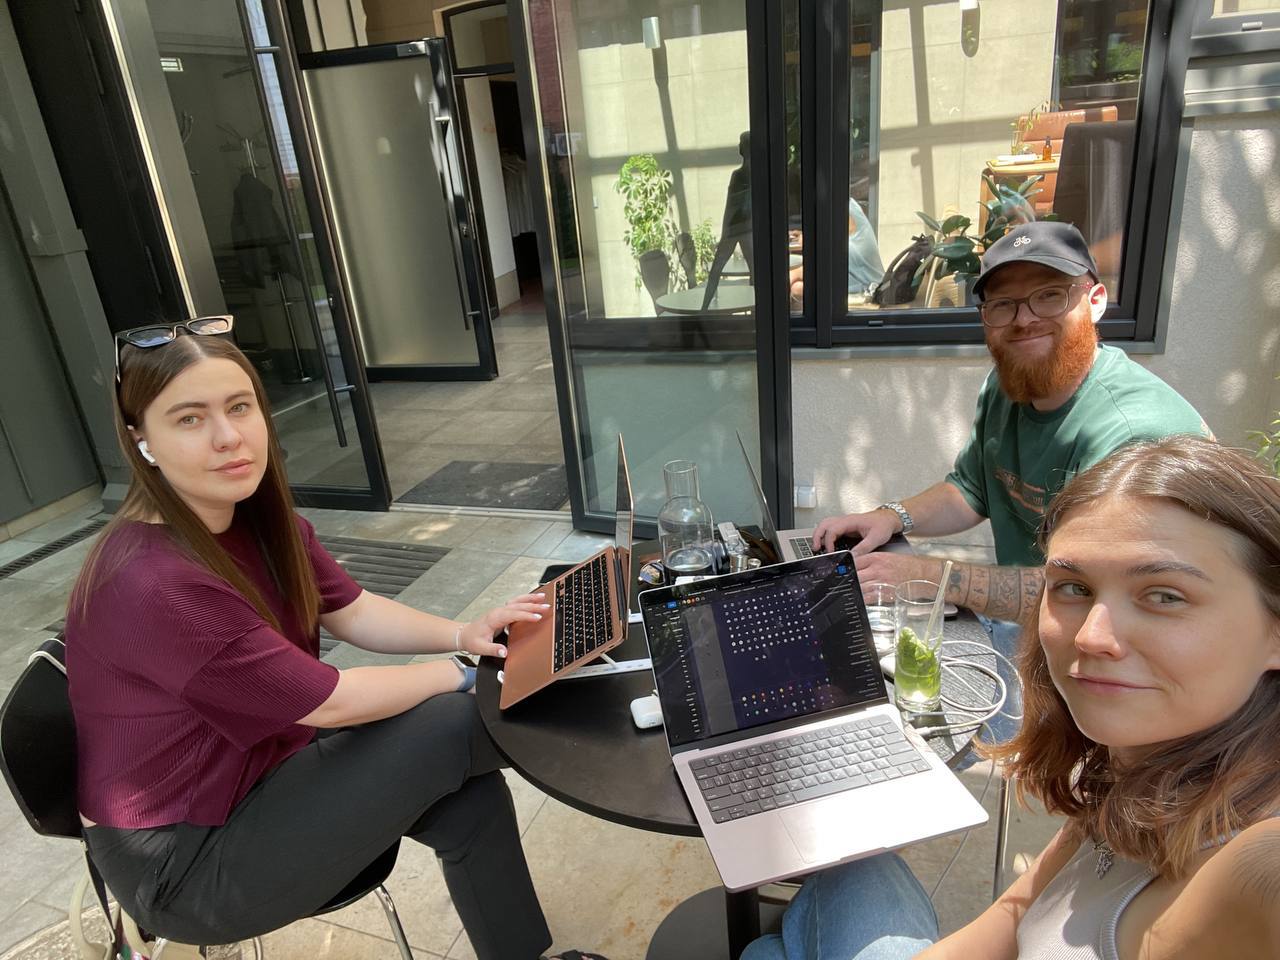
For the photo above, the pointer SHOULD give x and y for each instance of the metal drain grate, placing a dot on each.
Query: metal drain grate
(52, 547)
(380, 566)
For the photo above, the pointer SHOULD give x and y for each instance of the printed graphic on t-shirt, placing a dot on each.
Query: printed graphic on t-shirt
(1021, 492)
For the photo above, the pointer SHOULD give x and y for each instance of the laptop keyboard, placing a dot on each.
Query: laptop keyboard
(583, 612)
(802, 546)
(780, 773)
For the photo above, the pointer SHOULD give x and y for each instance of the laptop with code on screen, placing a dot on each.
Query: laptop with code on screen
(784, 739)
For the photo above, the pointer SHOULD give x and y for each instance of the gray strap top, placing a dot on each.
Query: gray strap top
(1076, 915)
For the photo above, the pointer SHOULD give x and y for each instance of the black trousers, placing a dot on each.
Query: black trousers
(315, 821)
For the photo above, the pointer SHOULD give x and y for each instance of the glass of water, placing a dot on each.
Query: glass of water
(917, 675)
(881, 614)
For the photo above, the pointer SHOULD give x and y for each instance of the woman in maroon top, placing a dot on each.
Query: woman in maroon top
(230, 782)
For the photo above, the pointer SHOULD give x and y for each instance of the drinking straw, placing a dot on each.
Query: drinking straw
(938, 601)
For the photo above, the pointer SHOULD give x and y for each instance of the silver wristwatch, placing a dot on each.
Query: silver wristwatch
(901, 511)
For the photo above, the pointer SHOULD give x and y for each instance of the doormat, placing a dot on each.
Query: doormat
(485, 483)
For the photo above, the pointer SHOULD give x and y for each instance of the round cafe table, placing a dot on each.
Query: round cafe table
(576, 742)
(729, 298)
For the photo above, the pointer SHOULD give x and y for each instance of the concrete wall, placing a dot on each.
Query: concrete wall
(868, 429)
(951, 84)
(691, 122)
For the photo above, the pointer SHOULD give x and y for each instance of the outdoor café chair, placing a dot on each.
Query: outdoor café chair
(38, 760)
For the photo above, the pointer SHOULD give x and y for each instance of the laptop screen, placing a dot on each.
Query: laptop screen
(766, 515)
(785, 641)
(622, 533)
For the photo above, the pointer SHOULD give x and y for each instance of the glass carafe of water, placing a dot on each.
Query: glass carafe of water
(685, 528)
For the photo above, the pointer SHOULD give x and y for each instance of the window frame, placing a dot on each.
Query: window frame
(1133, 317)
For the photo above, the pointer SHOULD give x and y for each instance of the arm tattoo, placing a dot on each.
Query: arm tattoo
(1004, 593)
(1258, 870)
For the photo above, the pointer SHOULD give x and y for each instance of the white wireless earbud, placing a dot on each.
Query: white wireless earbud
(146, 452)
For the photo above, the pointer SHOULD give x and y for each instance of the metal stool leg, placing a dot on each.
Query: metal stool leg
(393, 918)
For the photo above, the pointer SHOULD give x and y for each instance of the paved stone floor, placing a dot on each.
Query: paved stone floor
(604, 887)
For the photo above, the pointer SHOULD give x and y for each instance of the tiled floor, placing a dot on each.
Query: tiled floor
(604, 887)
(423, 426)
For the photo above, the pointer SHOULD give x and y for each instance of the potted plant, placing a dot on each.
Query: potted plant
(956, 254)
(646, 196)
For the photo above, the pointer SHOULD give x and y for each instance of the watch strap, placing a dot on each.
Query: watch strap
(901, 511)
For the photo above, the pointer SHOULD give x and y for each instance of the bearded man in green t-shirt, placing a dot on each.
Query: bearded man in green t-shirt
(1056, 403)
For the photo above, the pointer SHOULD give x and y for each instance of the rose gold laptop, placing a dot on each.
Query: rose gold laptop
(589, 607)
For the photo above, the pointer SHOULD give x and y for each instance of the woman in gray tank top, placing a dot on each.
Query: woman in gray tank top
(1152, 724)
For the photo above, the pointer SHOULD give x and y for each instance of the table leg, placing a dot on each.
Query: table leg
(742, 914)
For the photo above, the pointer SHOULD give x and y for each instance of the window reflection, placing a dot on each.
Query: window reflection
(964, 123)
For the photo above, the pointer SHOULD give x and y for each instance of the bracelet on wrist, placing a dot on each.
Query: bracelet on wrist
(457, 640)
(903, 517)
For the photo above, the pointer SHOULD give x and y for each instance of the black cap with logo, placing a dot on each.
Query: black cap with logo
(1050, 243)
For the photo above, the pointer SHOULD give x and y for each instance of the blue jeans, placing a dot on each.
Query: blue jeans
(872, 909)
(1005, 636)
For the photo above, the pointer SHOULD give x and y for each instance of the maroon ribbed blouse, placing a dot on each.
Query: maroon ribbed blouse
(183, 695)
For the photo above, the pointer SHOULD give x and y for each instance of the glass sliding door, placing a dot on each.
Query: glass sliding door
(660, 287)
(220, 126)
(387, 126)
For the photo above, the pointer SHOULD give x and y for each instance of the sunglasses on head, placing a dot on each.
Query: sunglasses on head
(158, 334)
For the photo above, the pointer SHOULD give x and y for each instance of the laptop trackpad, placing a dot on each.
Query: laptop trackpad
(833, 828)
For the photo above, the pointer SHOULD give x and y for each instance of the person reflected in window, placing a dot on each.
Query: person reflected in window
(865, 266)
(735, 227)
(1152, 677)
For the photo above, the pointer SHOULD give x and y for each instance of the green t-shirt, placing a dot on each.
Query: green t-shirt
(1017, 457)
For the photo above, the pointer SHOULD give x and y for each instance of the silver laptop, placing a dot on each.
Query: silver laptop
(785, 741)
(796, 544)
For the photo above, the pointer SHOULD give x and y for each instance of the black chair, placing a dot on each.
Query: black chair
(655, 273)
(38, 760)
(1092, 192)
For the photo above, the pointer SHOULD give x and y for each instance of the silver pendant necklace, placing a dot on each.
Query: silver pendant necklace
(1106, 857)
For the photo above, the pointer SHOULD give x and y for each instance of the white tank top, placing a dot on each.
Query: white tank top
(1076, 915)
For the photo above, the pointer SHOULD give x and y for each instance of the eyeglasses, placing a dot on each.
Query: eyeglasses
(1046, 303)
(158, 334)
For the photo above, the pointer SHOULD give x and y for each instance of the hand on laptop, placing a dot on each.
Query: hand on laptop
(868, 530)
(477, 636)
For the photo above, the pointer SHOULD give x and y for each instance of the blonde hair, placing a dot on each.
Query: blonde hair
(1189, 792)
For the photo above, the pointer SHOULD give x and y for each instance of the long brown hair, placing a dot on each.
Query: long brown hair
(268, 511)
(1188, 792)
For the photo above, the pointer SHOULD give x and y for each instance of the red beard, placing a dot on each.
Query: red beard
(1024, 381)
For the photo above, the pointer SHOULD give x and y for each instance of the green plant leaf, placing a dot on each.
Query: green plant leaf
(953, 223)
(1029, 183)
(929, 222)
(955, 248)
